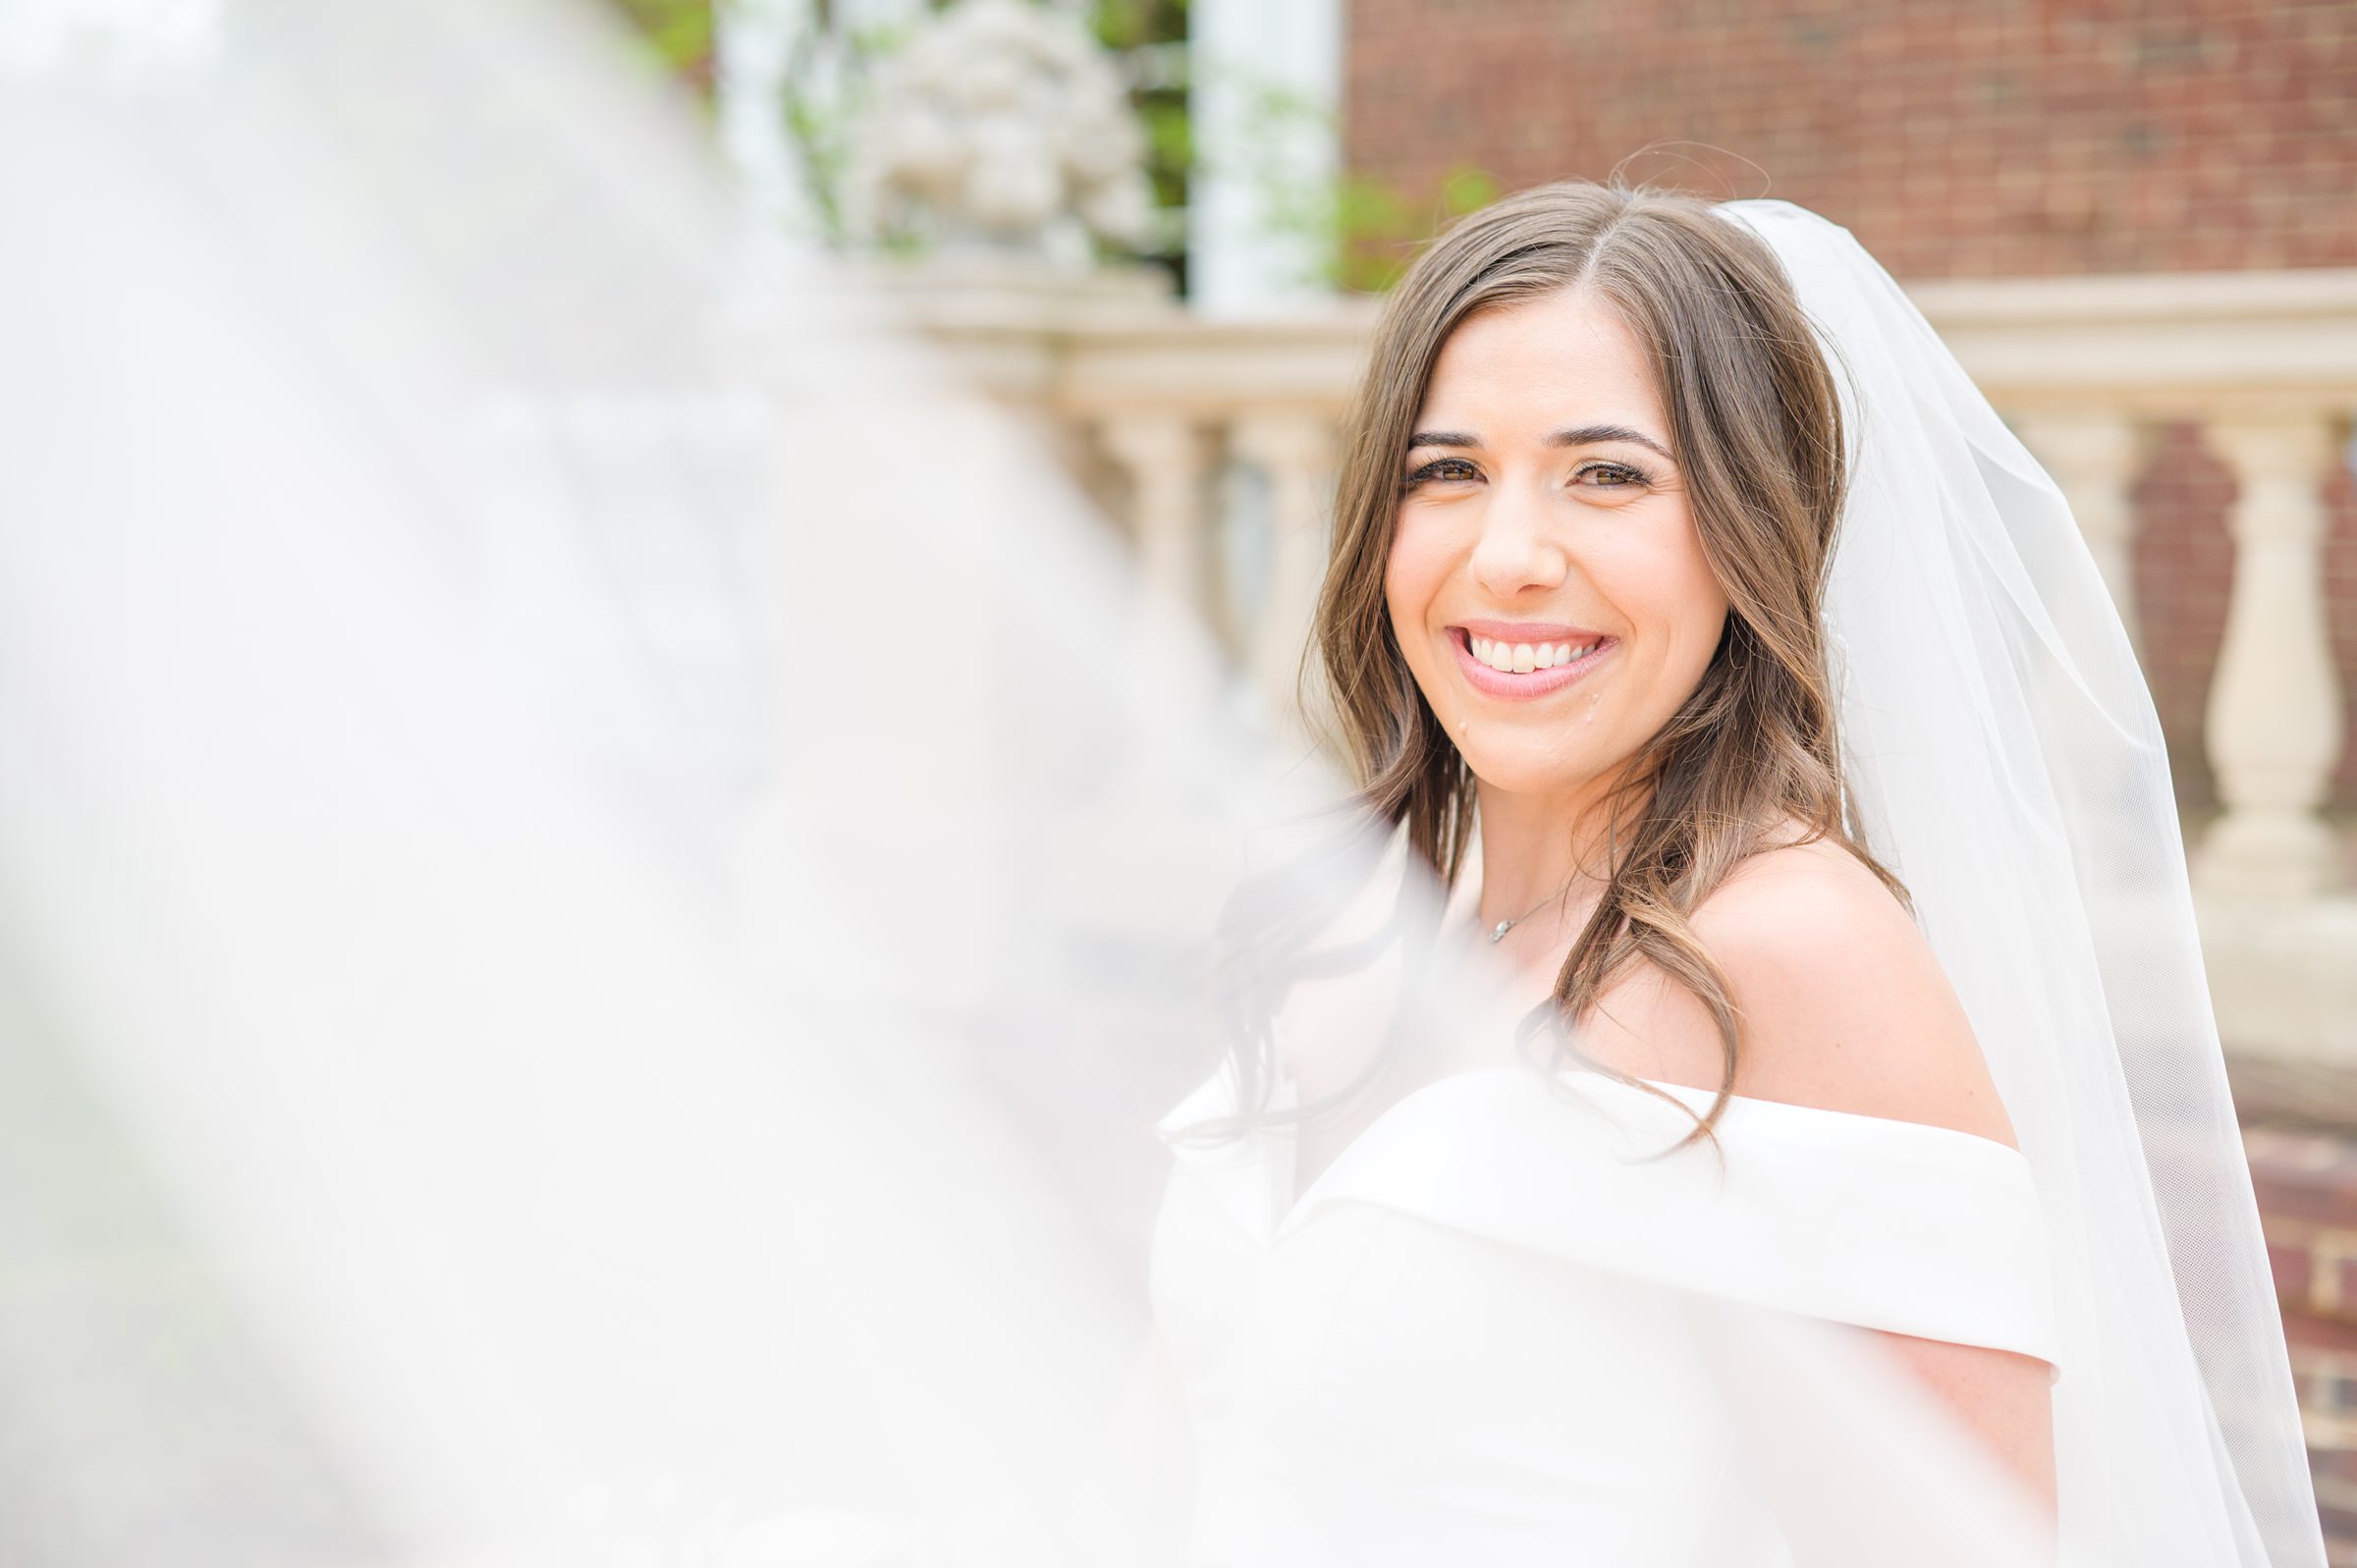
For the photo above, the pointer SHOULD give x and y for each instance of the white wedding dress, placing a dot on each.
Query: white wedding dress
(1466, 1340)
(446, 743)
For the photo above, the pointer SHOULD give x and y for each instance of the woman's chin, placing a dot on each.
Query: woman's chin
(1536, 776)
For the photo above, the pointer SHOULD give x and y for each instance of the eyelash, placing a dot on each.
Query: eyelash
(1632, 475)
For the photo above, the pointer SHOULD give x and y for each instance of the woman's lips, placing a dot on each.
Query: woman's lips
(1523, 679)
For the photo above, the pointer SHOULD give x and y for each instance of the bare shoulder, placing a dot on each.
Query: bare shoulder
(1843, 1006)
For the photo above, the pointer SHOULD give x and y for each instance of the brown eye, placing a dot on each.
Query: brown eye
(1441, 468)
(1614, 475)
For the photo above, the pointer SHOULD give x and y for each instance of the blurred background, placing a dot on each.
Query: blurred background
(1159, 229)
(2133, 221)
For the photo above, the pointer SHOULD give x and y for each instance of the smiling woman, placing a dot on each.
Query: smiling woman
(1524, 518)
(651, 1090)
(1682, 593)
(1617, 448)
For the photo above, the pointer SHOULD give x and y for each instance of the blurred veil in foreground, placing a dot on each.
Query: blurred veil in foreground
(604, 874)
(535, 752)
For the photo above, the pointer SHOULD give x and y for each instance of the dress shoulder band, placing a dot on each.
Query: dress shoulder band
(1894, 1226)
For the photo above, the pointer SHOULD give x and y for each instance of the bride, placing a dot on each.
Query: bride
(642, 1076)
(1607, 515)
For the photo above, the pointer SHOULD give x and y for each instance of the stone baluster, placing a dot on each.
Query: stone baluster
(1296, 452)
(2273, 723)
(1165, 457)
(2093, 456)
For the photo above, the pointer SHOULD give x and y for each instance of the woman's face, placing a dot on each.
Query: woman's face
(1546, 581)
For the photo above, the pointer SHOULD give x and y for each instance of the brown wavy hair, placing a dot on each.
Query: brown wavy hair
(1756, 423)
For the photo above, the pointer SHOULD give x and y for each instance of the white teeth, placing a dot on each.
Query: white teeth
(1522, 658)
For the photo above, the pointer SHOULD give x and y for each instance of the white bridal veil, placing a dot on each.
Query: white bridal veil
(604, 874)
(2009, 767)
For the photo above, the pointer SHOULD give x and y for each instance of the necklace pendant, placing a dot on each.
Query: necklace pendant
(1499, 931)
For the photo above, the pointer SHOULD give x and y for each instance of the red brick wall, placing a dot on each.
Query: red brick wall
(2306, 1182)
(2183, 565)
(1956, 138)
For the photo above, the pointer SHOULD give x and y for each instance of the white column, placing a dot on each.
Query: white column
(2093, 456)
(1165, 457)
(1265, 95)
(1295, 451)
(753, 44)
(2275, 703)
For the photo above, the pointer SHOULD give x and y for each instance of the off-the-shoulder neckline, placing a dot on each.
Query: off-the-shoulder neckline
(1704, 1096)
(1461, 1081)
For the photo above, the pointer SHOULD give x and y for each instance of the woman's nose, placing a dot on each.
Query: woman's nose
(1518, 548)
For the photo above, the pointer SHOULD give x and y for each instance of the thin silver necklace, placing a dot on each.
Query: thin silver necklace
(1498, 932)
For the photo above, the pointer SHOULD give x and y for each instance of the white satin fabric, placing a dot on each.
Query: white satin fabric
(1463, 1341)
(1467, 1339)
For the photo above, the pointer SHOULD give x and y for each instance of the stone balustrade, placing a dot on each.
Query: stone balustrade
(1213, 440)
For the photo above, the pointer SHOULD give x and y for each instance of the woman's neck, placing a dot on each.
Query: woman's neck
(1535, 846)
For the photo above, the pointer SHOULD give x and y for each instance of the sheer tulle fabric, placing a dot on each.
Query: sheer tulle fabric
(638, 870)
(2008, 766)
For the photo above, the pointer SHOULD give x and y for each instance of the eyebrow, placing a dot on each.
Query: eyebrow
(1574, 436)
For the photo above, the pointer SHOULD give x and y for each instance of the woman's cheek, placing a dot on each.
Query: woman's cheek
(1407, 570)
(1409, 583)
